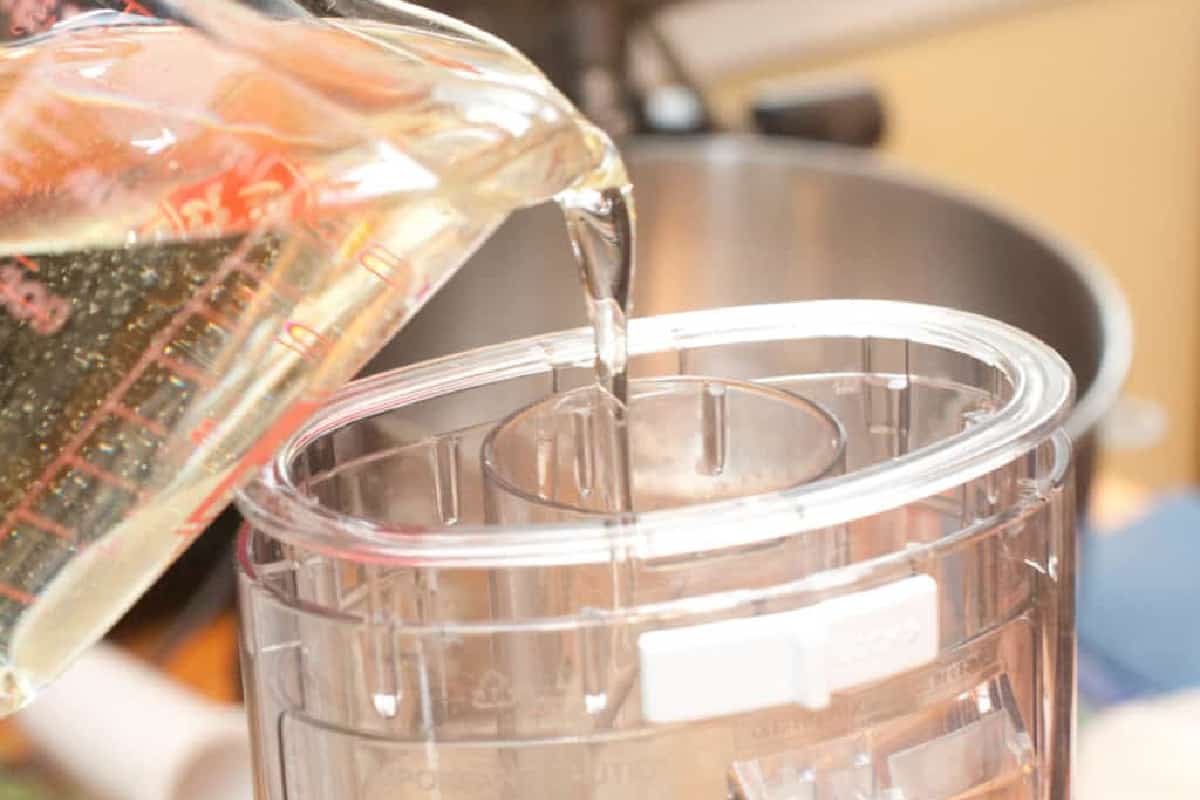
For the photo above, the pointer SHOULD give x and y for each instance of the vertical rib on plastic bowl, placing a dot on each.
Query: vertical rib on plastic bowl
(1040, 392)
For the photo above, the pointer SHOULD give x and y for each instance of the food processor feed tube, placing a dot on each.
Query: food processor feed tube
(207, 228)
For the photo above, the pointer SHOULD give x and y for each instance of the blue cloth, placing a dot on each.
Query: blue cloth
(1139, 605)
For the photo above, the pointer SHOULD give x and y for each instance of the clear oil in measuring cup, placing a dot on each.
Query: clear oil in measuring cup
(199, 242)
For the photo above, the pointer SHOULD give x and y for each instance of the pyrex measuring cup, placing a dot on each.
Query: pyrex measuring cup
(901, 628)
(206, 229)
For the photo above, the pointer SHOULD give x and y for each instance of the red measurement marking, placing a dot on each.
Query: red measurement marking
(255, 458)
(183, 370)
(240, 197)
(306, 342)
(210, 314)
(133, 7)
(266, 280)
(129, 415)
(13, 593)
(112, 404)
(48, 525)
(28, 263)
(101, 474)
(383, 264)
(375, 258)
(201, 432)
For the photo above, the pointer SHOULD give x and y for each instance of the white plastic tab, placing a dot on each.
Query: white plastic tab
(800, 657)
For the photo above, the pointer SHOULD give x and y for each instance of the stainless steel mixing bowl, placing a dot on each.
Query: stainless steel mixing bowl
(729, 220)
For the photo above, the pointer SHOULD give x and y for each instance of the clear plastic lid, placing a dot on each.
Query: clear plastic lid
(961, 396)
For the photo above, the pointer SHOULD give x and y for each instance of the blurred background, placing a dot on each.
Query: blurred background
(1031, 159)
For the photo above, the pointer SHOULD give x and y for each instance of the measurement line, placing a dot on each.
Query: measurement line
(13, 593)
(112, 403)
(99, 473)
(47, 525)
(210, 314)
(129, 415)
(28, 263)
(185, 370)
(265, 279)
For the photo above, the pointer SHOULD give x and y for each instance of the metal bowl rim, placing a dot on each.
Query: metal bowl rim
(1112, 310)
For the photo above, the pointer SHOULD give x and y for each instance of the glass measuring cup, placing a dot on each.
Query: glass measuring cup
(929, 654)
(208, 228)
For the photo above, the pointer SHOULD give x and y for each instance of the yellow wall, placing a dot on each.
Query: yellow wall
(1085, 115)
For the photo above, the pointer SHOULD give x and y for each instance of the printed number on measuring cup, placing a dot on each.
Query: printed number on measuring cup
(306, 342)
(27, 299)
